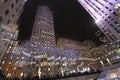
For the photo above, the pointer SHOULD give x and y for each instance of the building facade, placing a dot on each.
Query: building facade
(43, 35)
(105, 14)
(43, 29)
(9, 15)
(7, 65)
(90, 55)
(10, 11)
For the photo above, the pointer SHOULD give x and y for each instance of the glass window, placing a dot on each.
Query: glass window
(16, 1)
(12, 5)
(6, 12)
(0, 18)
(17, 9)
(8, 21)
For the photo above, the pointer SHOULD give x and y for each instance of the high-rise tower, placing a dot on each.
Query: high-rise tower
(104, 12)
(43, 29)
(43, 35)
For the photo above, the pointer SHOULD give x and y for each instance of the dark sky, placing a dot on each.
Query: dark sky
(70, 19)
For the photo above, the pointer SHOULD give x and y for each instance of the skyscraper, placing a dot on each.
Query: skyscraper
(104, 12)
(43, 29)
(43, 34)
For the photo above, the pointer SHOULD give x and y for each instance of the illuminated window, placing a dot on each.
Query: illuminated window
(48, 69)
(9, 75)
(3, 62)
(45, 63)
(14, 68)
(21, 74)
(10, 47)
(9, 62)
(41, 63)
(22, 57)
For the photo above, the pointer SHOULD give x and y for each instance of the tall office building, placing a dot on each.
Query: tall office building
(10, 11)
(43, 29)
(104, 12)
(43, 36)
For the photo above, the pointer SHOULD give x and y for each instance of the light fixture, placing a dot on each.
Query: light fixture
(98, 19)
(117, 5)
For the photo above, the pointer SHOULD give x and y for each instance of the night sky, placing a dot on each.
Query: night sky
(71, 20)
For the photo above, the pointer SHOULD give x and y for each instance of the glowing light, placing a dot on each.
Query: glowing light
(48, 69)
(39, 72)
(9, 75)
(73, 71)
(117, 5)
(118, 51)
(21, 74)
(9, 62)
(14, 68)
(3, 62)
(87, 69)
(113, 75)
(99, 18)
(97, 21)
(62, 72)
